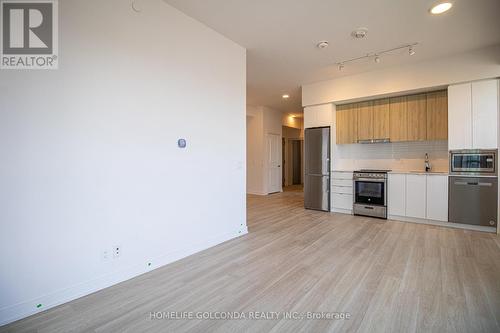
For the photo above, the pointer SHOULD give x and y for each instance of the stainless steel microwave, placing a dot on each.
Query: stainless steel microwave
(473, 162)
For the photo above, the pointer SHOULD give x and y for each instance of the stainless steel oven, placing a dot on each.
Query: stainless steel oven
(473, 162)
(370, 193)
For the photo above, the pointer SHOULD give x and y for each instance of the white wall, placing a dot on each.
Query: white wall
(397, 156)
(272, 121)
(89, 155)
(255, 151)
(475, 65)
(261, 122)
(293, 122)
(290, 135)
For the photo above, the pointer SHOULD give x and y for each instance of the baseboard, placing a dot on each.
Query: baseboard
(24, 309)
(256, 193)
(442, 223)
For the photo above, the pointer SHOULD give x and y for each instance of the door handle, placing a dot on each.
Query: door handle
(473, 184)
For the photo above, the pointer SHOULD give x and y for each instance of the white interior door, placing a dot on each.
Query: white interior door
(274, 163)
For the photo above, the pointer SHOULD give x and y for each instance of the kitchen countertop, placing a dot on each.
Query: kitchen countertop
(432, 173)
(413, 172)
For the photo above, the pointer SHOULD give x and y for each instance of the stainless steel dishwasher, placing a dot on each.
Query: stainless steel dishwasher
(473, 200)
(473, 187)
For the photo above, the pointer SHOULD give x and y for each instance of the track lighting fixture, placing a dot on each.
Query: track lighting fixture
(376, 55)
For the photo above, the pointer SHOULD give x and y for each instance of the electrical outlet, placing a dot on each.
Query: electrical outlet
(117, 250)
(105, 255)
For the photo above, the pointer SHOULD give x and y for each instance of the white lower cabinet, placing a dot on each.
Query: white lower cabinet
(341, 191)
(418, 196)
(437, 197)
(342, 201)
(396, 194)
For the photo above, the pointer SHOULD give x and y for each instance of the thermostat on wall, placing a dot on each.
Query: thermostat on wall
(181, 143)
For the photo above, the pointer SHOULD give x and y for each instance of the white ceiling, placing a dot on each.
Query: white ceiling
(281, 36)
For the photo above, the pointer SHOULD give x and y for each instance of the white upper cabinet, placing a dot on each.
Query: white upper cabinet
(318, 116)
(416, 196)
(473, 115)
(459, 116)
(437, 197)
(396, 192)
(485, 114)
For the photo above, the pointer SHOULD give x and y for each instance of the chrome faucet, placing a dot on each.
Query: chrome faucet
(427, 164)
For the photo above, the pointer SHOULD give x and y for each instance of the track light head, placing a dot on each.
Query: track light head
(411, 51)
(341, 67)
(377, 59)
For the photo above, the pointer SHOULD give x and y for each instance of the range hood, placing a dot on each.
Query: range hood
(386, 140)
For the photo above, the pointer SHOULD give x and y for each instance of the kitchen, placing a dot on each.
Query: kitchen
(423, 156)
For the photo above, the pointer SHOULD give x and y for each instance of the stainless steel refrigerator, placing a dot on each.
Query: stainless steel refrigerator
(317, 168)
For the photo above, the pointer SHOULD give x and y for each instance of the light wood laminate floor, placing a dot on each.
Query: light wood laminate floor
(390, 276)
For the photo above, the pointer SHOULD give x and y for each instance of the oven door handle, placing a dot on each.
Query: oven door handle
(370, 180)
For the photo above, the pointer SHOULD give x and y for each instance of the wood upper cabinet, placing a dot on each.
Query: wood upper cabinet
(437, 115)
(381, 119)
(365, 120)
(347, 123)
(407, 118)
(398, 119)
(417, 117)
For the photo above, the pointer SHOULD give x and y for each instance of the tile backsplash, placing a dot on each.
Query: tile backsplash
(398, 156)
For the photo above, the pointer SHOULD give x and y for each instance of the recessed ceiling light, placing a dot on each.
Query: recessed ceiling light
(285, 96)
(441, 8)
